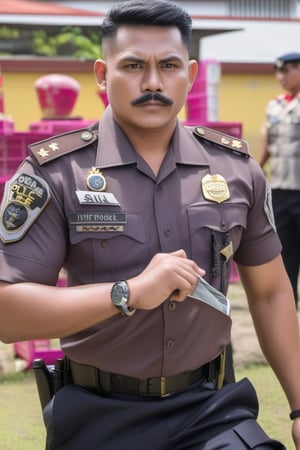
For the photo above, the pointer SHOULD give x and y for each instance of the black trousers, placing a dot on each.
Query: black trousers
(201, 418)
(286, 205)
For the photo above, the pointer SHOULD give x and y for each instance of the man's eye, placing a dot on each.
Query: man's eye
(133, 66)
(168, 66)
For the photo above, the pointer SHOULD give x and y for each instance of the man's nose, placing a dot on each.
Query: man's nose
(152, 80)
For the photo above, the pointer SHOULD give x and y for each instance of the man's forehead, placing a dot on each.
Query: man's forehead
(134, 38)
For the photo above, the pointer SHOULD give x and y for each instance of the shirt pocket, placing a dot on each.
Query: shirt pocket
(110, 252)
(133, 229)
(212, 228)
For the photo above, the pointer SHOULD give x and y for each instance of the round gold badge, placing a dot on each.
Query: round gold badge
(215, 188)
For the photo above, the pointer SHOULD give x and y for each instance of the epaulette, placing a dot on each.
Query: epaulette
(238, 146)
(62, 144)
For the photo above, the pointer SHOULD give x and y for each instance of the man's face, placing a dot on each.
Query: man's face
(146, 59)
(289, 77)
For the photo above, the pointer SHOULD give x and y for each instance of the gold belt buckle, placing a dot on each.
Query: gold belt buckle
(163, 392)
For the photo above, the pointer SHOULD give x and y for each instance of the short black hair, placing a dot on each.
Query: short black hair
(147, 13)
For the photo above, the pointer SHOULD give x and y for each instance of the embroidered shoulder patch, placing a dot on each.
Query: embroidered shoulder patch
(232, 143)
(25, 197)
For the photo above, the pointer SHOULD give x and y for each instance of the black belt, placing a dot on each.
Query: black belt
(104, 383)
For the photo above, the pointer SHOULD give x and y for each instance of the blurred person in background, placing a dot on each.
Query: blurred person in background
(281, 144)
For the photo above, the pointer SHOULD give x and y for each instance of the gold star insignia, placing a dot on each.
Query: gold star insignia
(236, 144)
(43, 153)
(54, 146)
(224, 141)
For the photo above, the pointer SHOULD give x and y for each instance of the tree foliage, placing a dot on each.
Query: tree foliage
(70, 41)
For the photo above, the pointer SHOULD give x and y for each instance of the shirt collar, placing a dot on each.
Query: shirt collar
(114, 149)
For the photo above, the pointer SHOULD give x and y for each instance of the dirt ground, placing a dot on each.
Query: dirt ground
(244, 340)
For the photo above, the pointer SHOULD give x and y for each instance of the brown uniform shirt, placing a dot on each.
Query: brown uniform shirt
(113, 234)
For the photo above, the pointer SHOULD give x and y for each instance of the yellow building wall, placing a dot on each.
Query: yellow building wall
(242, 98)
(21, 101)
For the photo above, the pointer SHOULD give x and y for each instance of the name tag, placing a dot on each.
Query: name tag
(96, 198)
(98, 218)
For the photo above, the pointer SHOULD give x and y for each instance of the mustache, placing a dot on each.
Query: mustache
(148, 96)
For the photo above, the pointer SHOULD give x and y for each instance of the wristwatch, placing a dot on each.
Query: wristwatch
(120, 297)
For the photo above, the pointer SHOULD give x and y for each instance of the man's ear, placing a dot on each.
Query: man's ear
(100, 73)
(193, 70)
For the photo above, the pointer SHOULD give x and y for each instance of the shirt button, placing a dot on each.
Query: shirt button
(104, 243)
(172, 306)
(86, 135)
(223, 225)
(169, 343)
(168, 231)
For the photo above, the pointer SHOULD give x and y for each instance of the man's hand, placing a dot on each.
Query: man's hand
(168, 275)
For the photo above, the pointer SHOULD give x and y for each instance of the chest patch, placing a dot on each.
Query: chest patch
(25, 197)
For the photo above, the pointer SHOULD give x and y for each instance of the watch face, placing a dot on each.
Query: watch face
(120, 297)
(119, 293)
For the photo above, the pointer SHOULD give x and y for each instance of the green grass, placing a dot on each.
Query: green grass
(274, 408)
(21, 424)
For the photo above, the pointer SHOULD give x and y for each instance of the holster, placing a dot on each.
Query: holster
(49, 379)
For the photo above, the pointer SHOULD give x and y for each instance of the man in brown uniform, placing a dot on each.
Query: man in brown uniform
(136, 210)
